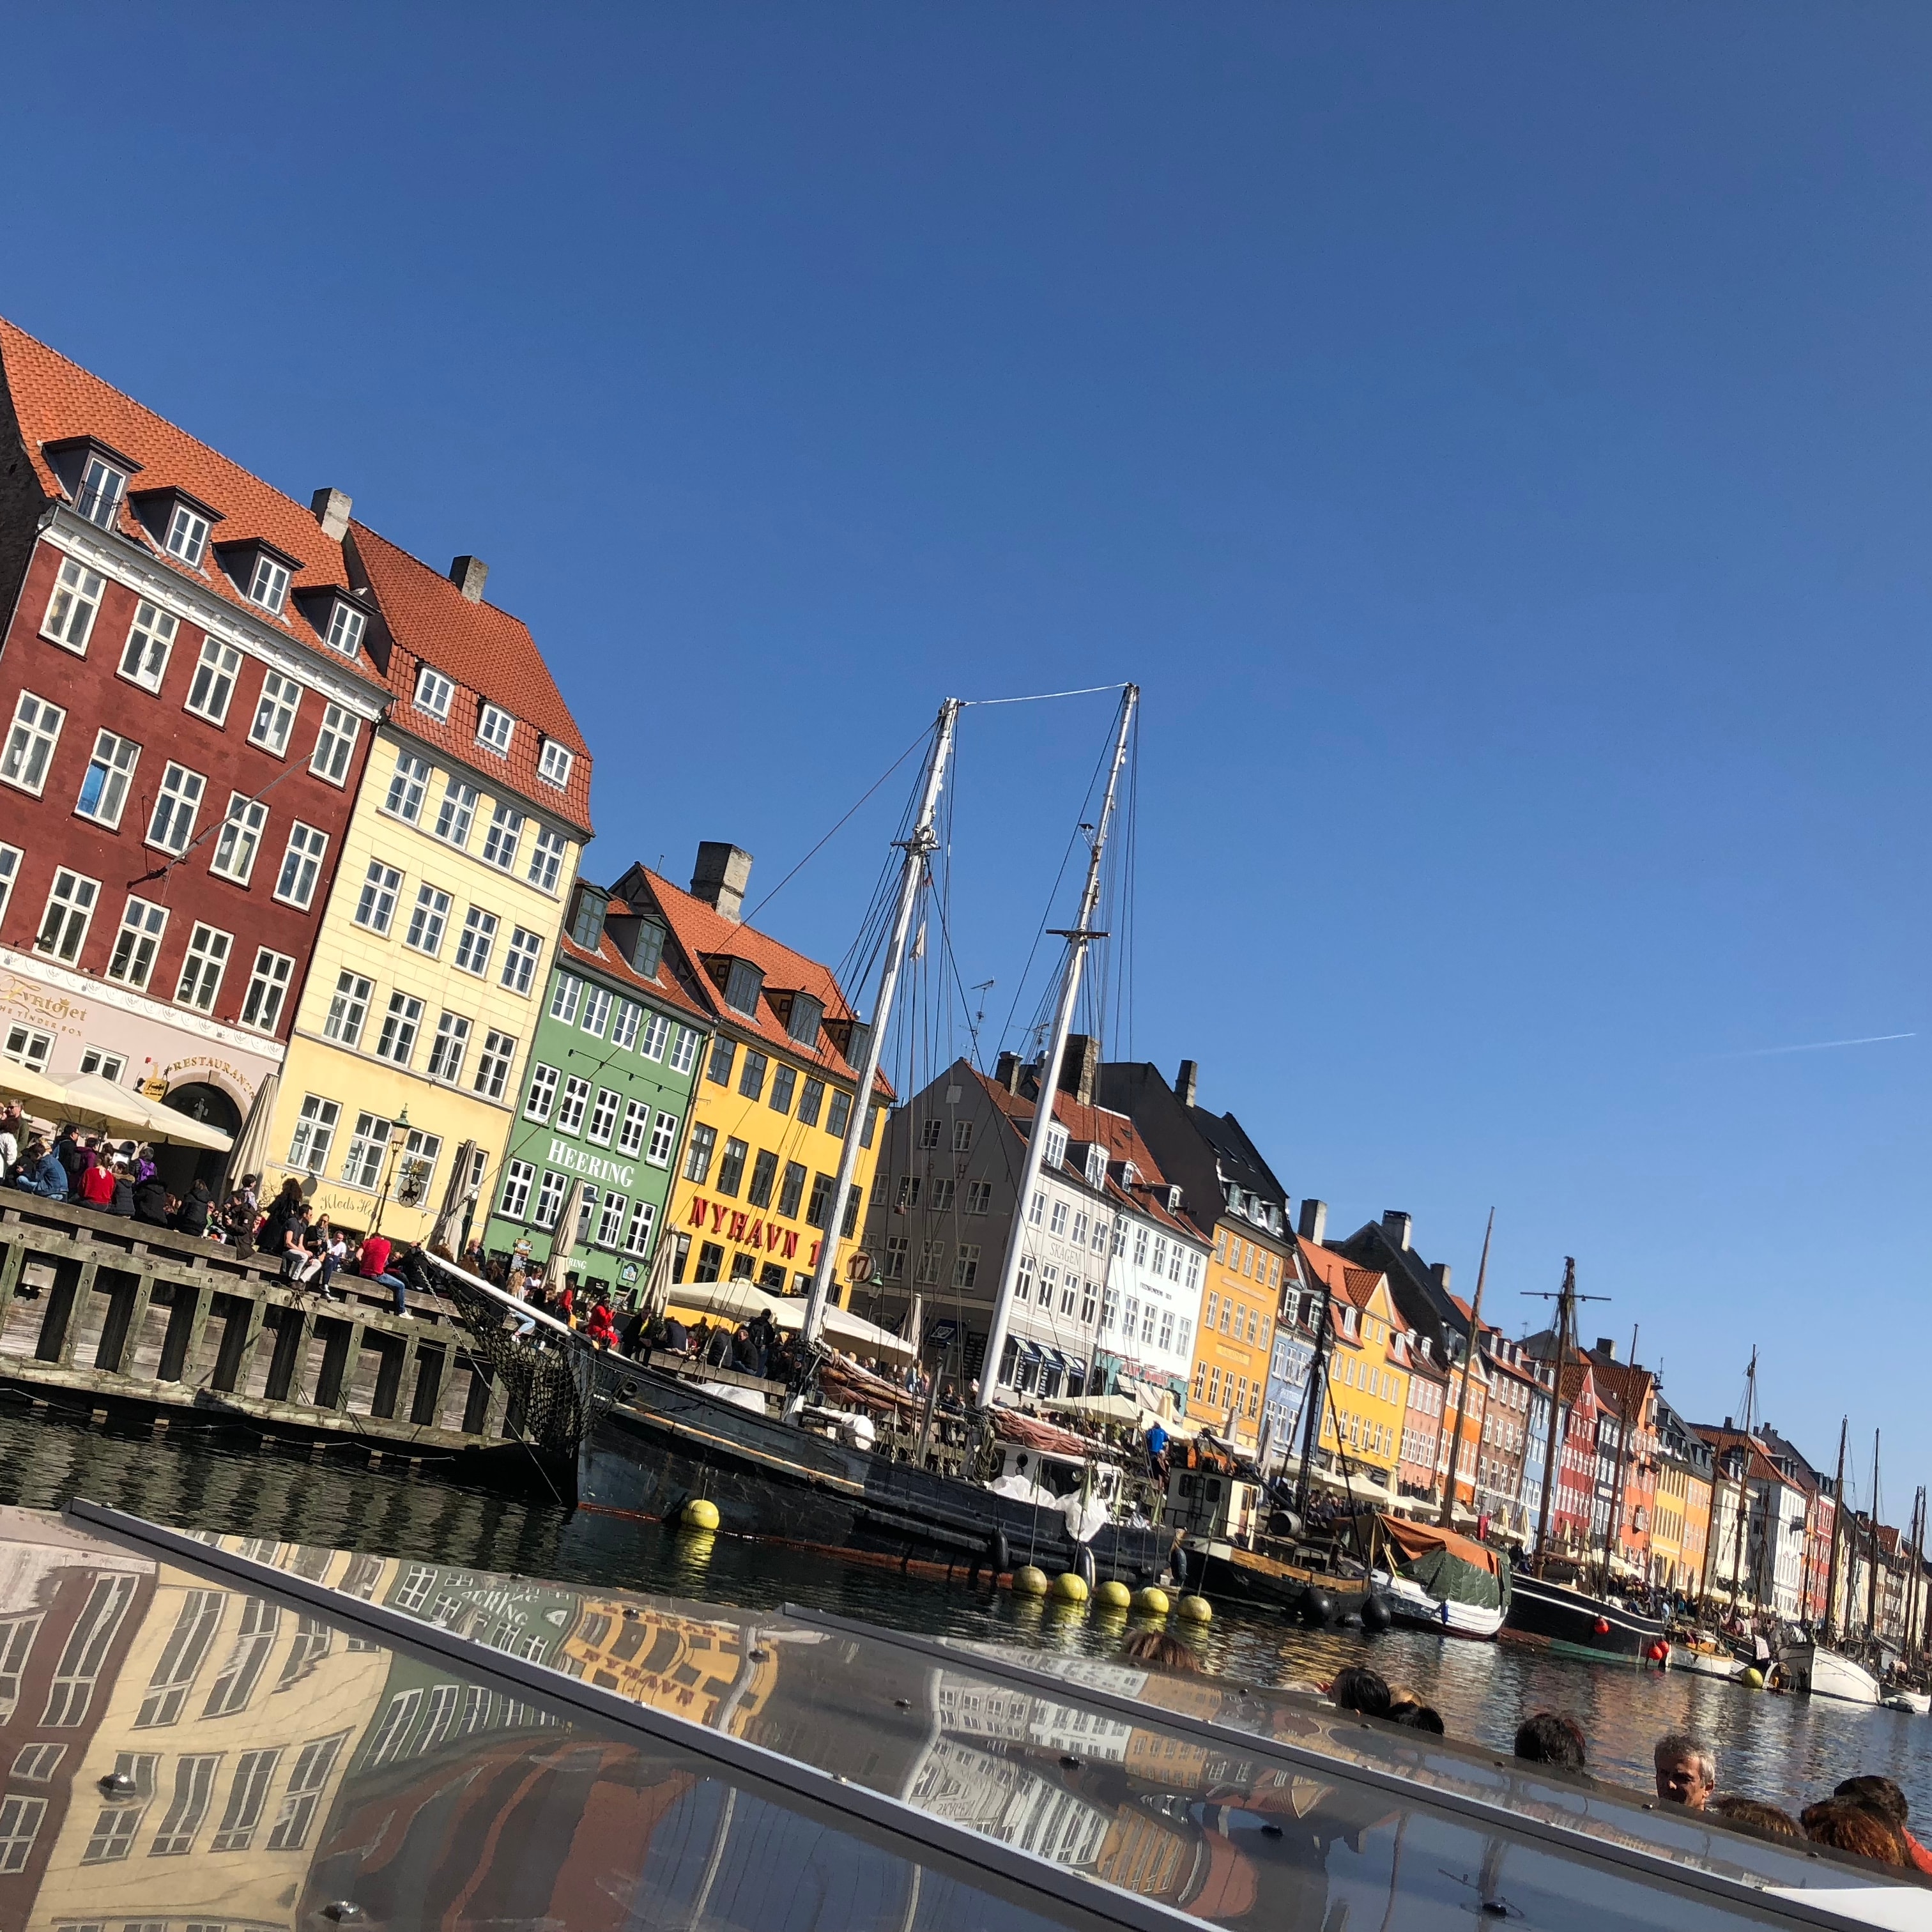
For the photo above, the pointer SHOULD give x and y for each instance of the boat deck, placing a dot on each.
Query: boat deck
(215, 1731)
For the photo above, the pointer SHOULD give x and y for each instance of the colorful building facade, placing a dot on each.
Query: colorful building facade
(431, 965)
(606, 1103)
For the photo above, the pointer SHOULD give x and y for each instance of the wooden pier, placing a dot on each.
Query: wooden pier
(113, 1317)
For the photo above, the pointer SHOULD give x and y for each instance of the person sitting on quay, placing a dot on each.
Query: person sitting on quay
(197, 1204)
(97, 1182)
(72, 1156)
(601, 1330)
(41, 1171)
(122, 1202)
(151, 1200)
(1686, 1768)
(374, 1265)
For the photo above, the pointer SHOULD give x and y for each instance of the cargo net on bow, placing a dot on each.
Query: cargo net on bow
(545, 1385)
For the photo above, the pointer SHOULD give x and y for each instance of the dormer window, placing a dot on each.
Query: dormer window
(495, 727)
(743, 983)
(346, 626)
(1238, 1202)
(587, 918)
(1130, 1176)
(647, 952)
(268, 582)
(102, 487)
(186, 536)
(1096, 1166)
(802, 1023)
(433, 692)
(1173, 1201)
(553, 763)
(1056, 1145)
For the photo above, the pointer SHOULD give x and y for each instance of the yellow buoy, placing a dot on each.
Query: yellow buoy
(1113, 1596)
(1195, 1610)
(1070, 1587)
(700, 1513)
(1151, 1601)
(1030, 1580)
(1753, 1679)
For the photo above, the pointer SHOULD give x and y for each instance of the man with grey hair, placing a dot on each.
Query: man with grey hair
(1687, 1769)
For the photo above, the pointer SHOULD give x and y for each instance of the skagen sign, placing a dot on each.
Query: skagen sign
(563, 1154)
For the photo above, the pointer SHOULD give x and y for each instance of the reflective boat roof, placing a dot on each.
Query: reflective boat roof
(217, 1733)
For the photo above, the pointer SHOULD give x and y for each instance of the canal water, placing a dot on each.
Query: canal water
(1787, 1750)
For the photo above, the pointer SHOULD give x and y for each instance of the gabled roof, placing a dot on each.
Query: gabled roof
(608, 958)
(487, 654)
(55, 400)
(1620, 1384)
(702, 932)
(1346, 1283)
(1726, 1441)
(1092, 1126)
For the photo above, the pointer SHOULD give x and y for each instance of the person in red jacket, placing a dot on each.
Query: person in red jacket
(601, 1329)
(97, 1184)
(374, 1265)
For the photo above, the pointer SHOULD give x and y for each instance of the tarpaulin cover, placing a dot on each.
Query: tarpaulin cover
(1451, 1568)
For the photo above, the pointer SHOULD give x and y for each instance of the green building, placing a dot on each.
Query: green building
(606, 1100)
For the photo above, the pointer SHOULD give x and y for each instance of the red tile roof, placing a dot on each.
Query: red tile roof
(487, 654)
(702, 931)
(1088, 1125)
(609, 959)
(55, 400)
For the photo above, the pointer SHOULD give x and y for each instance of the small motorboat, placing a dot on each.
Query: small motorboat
(1918, 1702)
(1431, 1579)
(1704, 1657)
(1816, 1671)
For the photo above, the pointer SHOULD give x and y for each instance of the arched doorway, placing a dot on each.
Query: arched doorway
(180, 1167)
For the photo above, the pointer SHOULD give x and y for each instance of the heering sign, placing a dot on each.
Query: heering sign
(562, 1154)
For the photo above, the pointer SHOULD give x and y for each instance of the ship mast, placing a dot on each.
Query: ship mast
(1743, 1455)
(1871, 1552)
(1447, 1518)
(1566, 1305)
(1078, 937)
(1837, 1528)
(1613, 1533)
(918, 849)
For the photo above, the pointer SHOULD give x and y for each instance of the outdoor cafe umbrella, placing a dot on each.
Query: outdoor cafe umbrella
(93, 1101)
(34, 1091)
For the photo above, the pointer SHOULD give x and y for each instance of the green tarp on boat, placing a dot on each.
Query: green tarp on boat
(1451, 1568)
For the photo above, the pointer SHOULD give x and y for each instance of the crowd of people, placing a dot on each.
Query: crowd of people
(1866, 1815)
(91, 1170)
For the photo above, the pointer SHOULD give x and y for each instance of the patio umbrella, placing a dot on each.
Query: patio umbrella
(249, 1154)
(732, 1300)
(34, 1091)
(94, 1101)
(843, 1329)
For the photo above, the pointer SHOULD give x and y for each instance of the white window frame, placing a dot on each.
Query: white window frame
(73, 606)
(572, 1104)
(32, 741)
(505, 834)
(456, 816)
(368, 1145)
(346, 626)
(150, 643)
(540, 1102)
(409, 787)
(268, 583)
(513, 1202)
(664, 1140)
(429, 920)
(143, 924)
(80, 901)
(204, 966)
(637, 1124)
(602, 1123)
(433, 692)
(546, 856)
(239, 843)
(402, 1022)
(302, 865)
(10, 856)
(495, 729)
(349, 1009)
(493, 1064)
(643, 1220)
(177, 806)
(334, 744)
(268, 990)
(276, 706)
(216, 668)
(449, 1048)
(187, 536)
(314, 1134)
(521, 958)
(610, 1221)
(376, 900)
(116, 757)
(550, 1198)
(553, 763)
(473, 944)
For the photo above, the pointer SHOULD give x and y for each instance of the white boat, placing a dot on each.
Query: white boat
(1695, 1661)
(1820, 1672)
(1410, 1604)
(1918, 1702)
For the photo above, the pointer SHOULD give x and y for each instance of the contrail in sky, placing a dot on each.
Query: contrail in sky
(1816, 1045)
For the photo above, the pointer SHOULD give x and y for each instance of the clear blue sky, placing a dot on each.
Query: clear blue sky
(1497, 438)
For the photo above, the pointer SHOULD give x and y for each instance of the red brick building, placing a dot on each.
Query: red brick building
(187, 701)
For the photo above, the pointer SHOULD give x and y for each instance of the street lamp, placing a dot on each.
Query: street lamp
(401, 1131)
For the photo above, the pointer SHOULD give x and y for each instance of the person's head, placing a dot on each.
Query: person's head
(1358, 1688)
(1687, 1769)
(1416, 1717)
(1876, 1794)
(1547, 1739)
(1848, 1826)
(1161, 1649)
(292, 1190)
(1756, 1817)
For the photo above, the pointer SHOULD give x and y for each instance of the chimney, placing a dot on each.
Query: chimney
(1605, 1346)
(1727, 1424)
(470, 574)
(1440, 1270)
(723, 872)
(331, 508)
(1006, 1072)
(1080, 1067)
(1314, 1222)
(1185, 1082)
(1395, 1226)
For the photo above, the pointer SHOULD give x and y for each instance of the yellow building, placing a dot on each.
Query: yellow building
(410, 1041)
(753, 1198)
(1368, 1371)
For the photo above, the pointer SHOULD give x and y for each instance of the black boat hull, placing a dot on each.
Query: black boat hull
(666, 1442)
(1577, 1625)
(1215, 1575)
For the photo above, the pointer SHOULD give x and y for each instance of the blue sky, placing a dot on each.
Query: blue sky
(1496, 441)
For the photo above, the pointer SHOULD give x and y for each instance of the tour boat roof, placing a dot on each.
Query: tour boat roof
(342, 1738)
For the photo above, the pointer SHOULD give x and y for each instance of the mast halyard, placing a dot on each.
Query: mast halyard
(1613, 1530)
(918, 849)
(1078, 937)
(1742, 1457)
(1566, 1304)
(1447, 1518)
(1832, 1624)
